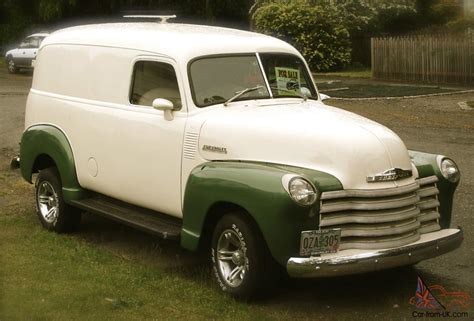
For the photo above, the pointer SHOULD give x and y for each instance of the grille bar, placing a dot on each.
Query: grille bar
(428, 216)
(371, 193)
(380, 216)
(366, 203)
(379, 242)
(380, 229)
(427, 191)
(429, 227)
(429, 203)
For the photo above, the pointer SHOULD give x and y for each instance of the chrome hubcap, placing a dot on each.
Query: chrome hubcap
(48, 202)
(231, 258)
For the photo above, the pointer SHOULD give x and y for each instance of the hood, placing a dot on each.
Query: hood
(305, 134)
(9, 52)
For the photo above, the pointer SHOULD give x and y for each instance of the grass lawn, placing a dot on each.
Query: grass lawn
(363, 89)
(46, 276)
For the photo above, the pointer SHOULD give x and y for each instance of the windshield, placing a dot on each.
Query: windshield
(217, 79)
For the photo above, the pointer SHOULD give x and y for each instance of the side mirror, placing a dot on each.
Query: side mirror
(162, 104)
(165, 105)
(324, 97)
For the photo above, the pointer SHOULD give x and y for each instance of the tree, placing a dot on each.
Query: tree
(317, 32)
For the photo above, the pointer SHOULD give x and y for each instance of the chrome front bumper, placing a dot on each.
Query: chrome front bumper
(359, 261)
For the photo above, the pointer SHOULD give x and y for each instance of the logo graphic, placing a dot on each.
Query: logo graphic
(392, 174)
(423, 298)
(435, 297)
(214, 149)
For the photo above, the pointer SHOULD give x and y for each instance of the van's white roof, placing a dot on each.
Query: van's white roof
(179, 41)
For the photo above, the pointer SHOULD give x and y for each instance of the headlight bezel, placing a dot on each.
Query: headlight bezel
(289, 179)
(450, 177)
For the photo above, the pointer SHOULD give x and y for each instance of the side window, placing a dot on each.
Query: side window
(26, 43)
(153, 80)
(30, 42)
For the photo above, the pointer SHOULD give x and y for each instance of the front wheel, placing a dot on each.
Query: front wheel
(53, 213)
(12, 68)
(242, 264)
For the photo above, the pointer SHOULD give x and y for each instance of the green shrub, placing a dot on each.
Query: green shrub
(317, 32)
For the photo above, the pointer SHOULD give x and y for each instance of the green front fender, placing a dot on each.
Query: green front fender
(258, 189)
(427, 165)
(41, 141)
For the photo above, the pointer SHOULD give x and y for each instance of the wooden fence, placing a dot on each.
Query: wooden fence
(424, 58)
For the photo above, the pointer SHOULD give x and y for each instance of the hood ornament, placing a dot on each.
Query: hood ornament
(393, 174)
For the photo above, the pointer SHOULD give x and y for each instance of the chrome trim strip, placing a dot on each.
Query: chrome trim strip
(437, 243)
(370, 192)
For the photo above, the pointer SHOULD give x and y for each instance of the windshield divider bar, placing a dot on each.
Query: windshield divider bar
(264, 75)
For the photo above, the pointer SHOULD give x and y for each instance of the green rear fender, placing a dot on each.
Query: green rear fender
(40, 143)
(257, 188)
(427, 165)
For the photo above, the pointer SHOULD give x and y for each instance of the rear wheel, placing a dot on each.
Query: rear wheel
(12, 68)
(242, 264)
(53, 213)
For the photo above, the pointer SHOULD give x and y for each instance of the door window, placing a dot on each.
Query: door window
(153, 80)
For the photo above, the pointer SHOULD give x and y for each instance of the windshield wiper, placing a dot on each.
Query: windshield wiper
(240, 93)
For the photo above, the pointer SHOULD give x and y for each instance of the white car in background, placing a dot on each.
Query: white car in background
(25, 54)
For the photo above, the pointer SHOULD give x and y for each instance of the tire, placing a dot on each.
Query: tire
(241, 262)
(53, 213)
(11, 66)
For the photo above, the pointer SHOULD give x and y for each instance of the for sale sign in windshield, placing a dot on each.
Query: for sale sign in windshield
(288, 80)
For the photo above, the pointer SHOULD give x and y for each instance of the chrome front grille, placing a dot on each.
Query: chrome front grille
(375, 219)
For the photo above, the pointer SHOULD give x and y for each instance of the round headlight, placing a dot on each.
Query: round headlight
(302, 191)
(450, 170)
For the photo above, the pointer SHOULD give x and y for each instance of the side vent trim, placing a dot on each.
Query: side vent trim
(190, 145)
